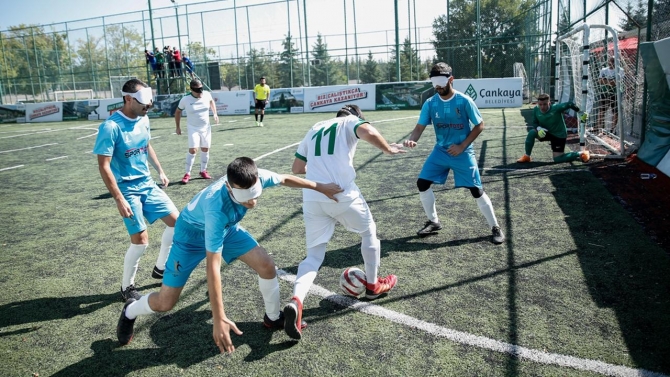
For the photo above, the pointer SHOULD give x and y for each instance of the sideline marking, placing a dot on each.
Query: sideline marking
(12, 167)
(467, 338)
(93, 134)
(474, 340)
(55, 158)
(23, 149)
(50, 130)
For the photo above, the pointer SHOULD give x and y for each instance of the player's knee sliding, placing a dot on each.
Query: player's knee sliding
(476, 192)
(423, 184)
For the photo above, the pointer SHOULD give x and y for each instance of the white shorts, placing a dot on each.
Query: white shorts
(199, 138)
(321, 217)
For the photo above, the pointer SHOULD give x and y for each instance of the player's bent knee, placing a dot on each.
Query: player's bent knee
(423, 184)
(476, 192)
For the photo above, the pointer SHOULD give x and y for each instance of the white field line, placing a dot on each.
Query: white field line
(537, 170)
(466, 338)
(93, 134)
(23, 149)
(475, 340)
(12, 167)
(55, 158)
(49, 130)
(275, 151)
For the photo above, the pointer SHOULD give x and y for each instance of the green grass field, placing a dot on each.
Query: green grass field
(577, 289)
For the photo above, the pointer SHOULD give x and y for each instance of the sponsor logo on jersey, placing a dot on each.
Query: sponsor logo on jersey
(135, 151)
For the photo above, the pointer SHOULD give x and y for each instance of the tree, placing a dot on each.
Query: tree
(124, 51)
(503, 26)
(370, 72)
(34, 59)
(289, 60)
(635, 17)
(321, 64)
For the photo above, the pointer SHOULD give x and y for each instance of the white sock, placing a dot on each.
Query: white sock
(130, 263)
(139, 307)
(189, 162)
(270, 291)
(486, 207)
(370, 249)
(204, 159)
(428, 201)
(166, 245)
(307, 270)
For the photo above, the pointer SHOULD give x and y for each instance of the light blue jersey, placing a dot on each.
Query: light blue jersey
(127, 142)
(210, 223)
(451, 118)
(213, 210)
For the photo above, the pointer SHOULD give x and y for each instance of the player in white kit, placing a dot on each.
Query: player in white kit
(197, 106)
(326, 155)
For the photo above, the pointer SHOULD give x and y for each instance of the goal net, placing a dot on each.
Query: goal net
(69, 95)
(594, 72)
(116, 84)
(520, 71)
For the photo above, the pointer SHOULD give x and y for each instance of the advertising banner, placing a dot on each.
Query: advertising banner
(232, 103)
(44, 112)
(487, 93)
(13, 113)
(403, 95)
(75, 110)
(332, 98)
(282, 100)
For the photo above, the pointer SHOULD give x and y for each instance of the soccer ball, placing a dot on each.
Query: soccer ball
(352, 281)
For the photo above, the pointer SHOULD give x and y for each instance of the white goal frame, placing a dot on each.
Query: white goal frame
(116, 84)
(582, 90)
(73, 94)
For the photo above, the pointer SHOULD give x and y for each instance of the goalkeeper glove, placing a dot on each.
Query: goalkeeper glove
(584, 117)
(541, 132)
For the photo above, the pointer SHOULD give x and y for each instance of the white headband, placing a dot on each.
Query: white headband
(440, 81)
(144, 96)
(244, 195)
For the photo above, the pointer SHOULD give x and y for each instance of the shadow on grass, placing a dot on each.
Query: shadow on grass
(183, 338)
(50, 308)
(620, 273)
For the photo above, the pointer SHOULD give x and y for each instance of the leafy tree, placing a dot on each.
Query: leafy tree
(323, 68)
(259, 63)
(503, 27)
(636, 17)
(370, 73)
(34, 59)
(661, 12)
(125, 52)
(288, 63)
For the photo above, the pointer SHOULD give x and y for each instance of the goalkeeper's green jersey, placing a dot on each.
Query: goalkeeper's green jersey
(553, 120)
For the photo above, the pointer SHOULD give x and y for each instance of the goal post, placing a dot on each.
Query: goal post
(116, 84)
(69, 95)
(584, 76)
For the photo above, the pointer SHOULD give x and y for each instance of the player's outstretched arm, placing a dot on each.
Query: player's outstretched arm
(222, 325)
(370, 134)
(414, 137)
(327, 189)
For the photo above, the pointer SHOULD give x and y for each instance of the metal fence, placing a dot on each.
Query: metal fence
(233, 44)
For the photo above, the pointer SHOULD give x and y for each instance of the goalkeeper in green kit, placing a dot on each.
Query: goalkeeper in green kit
(549, 125)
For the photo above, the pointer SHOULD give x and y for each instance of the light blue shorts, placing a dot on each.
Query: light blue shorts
(439, 162)
(146, 201)
(188, 249)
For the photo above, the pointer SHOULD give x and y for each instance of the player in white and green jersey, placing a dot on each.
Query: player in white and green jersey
(326, 154)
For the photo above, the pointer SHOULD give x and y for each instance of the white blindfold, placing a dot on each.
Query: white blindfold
(144, 96)
(244, 195)
(440, 81)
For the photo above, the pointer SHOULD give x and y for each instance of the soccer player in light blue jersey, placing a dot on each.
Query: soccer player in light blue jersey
(451, 112)
(208, 228)
(124, 154)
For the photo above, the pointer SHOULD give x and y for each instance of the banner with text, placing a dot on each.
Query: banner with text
(231, 103)
(487, 93)
(332, 98)
(44, 112)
